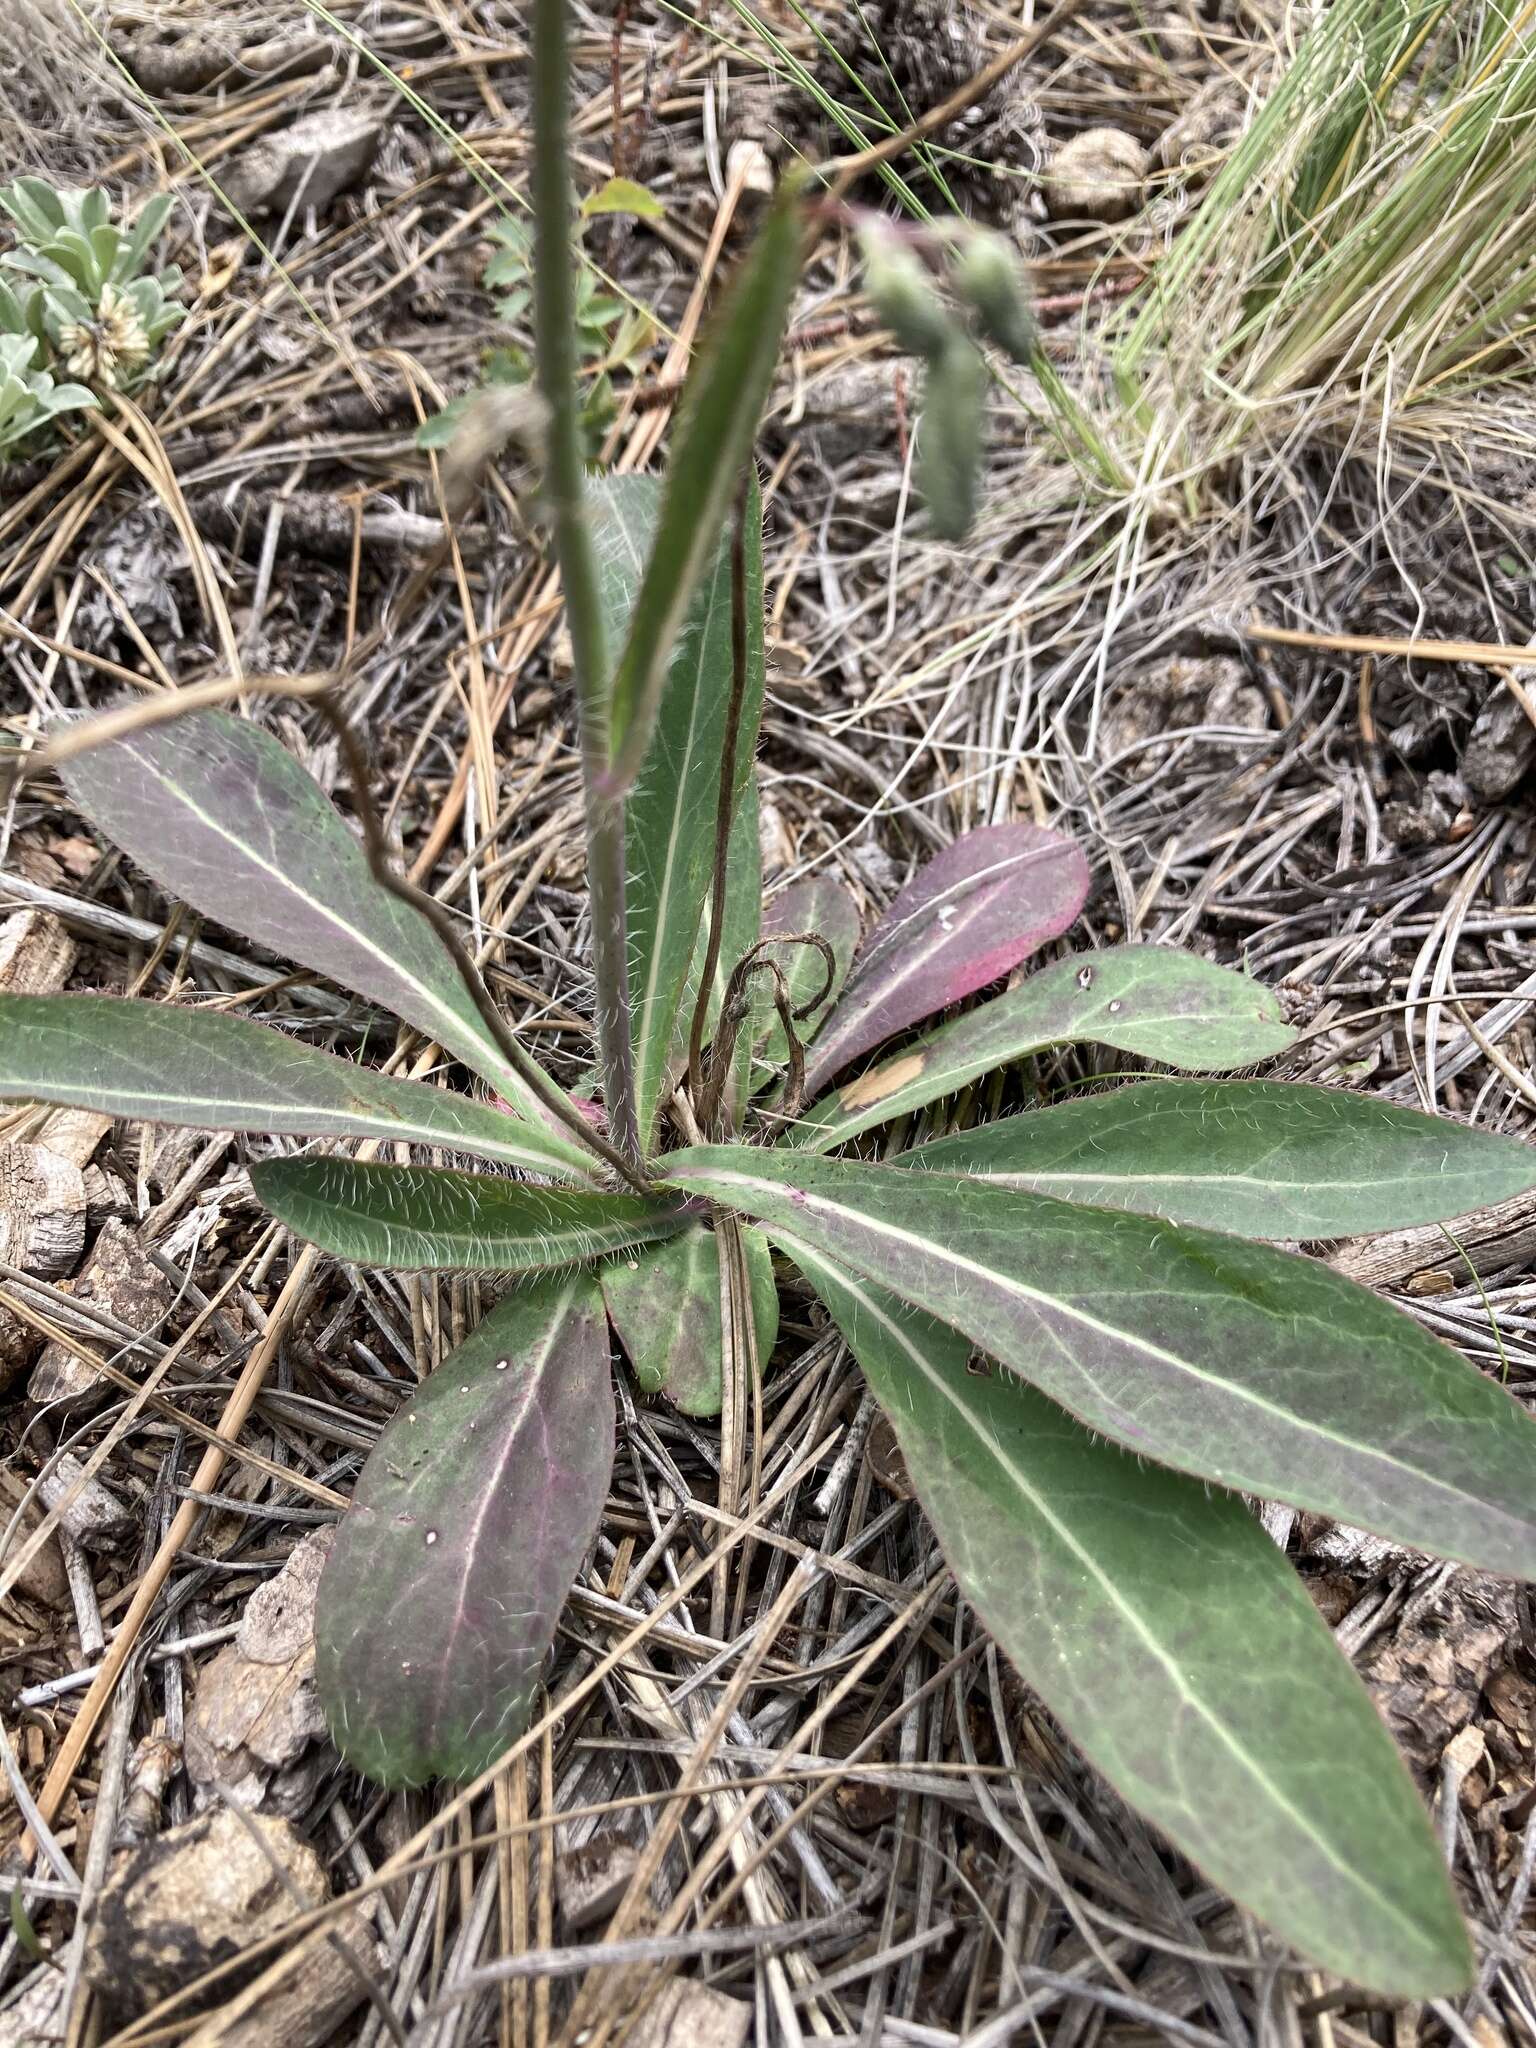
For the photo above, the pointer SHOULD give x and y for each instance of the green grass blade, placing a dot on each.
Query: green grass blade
(1175, 1644)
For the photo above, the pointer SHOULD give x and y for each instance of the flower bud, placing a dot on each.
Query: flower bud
(950, 438)
(902, 292)
(991, 281)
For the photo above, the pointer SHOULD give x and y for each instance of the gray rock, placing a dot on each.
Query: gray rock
(314, 161)
(1502, 746)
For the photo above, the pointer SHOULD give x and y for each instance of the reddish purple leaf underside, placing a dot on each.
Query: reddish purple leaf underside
(445, 1583)
(966, 919)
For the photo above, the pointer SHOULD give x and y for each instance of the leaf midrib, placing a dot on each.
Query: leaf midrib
(439, 1007)
(1107, 1586)
(529, 1383)
(1120, 1335)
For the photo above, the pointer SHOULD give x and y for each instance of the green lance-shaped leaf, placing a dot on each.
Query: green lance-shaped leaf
(711, 447)
(665, 1303)
(739, 932)
(1147, 1000)
(440, 1597)
(1177, 1647)
(1260, 1158)
(213, 1072)
(1268, 1373)
(221, 814)
(413, 1217)
(672, 808)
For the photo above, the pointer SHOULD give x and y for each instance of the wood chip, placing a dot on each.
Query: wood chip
(317, 1994)
(256, 1711)
(44, 1578)
(42, 1230)
(89, 1511)
(688, 2015)
(193, 1897)
(37, 955)
(591, 1880)
(1493, 1239)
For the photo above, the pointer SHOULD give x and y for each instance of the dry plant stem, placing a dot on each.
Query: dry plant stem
(726, 801)
(236, 1410)
(1489, 652)
(558, 1104)
(555, 348)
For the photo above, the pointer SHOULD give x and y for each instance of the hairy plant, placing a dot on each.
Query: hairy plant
(78, 313)
(30, 399)
(1076, 1317)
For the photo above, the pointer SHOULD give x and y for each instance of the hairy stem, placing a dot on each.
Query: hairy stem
(527, 1069)
(564, 476)
(725, 802)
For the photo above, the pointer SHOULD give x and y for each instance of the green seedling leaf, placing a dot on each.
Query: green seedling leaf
(711, 447)
(439, 1600)
(439, 431)
(1268, 1373)
(416, 1217)
(1176, 1646)
(35, 206)
(220, 813)
(672, 808)
(213, 1072)
(665, 1303)
(965, 919)
(622, 195)
(1260, 1158)
(1146, 1000)
(951, 434)
(822, 905)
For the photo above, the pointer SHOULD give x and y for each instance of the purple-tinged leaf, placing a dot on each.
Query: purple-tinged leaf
(665, 1303)
(415, 1217)
(1267, 1373)
(441, 1594)
(215, 1072)
(967, 918)
(1176, 1645)
(222, 815)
